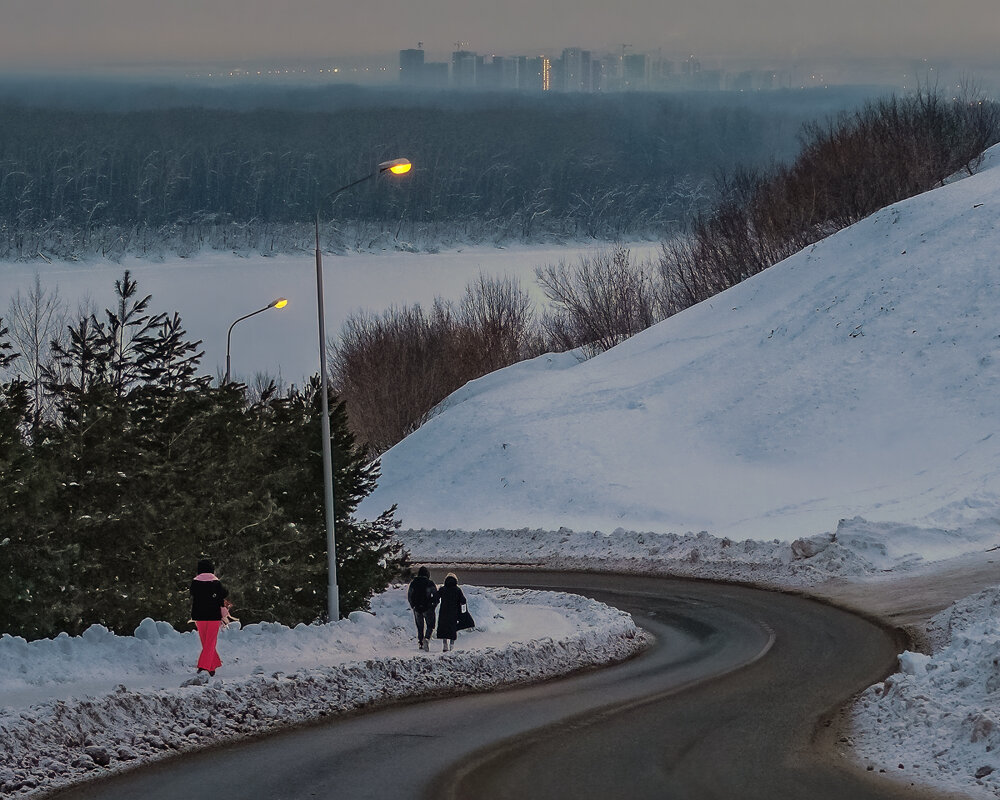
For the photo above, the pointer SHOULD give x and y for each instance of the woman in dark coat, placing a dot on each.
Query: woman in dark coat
(207, 598)
(451, 603)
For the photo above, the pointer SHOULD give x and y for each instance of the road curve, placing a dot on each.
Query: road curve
(725, 704)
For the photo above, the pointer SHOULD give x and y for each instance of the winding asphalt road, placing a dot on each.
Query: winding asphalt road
(725, 704)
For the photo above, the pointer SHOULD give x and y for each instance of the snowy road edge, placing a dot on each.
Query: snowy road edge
(59, 743)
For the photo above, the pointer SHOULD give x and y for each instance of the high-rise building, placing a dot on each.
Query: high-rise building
(576, 75)
(464, 68)
(510, 73)
(661, 74)
(598, 75)
(489, 72)
(534, 74)
(411, 67)
(634, 67)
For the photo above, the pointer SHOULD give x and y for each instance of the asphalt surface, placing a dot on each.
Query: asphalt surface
(727, 703)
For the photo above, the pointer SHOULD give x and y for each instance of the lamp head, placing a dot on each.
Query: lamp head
(398, 166)
(281, 302)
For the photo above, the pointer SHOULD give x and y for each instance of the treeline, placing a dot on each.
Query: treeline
(120, 467)
(79, 180)
(395, 369)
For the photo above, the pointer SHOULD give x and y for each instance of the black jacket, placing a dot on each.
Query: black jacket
(452, 600)
(206, 599)
(422, 594)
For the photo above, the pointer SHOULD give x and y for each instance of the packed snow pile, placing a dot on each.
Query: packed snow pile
(938, 719)
(858, 378)
(141, 702)
(858, 548)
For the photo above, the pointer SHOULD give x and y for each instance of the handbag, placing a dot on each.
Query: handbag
(465, 621)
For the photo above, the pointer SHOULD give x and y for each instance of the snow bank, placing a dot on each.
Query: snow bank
(858, 548)
(938, 719)
(368, 659)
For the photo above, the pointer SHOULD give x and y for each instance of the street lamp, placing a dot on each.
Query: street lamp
(398, 166)
(281, 302)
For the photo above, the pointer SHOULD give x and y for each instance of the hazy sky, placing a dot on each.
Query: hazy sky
(83, 32)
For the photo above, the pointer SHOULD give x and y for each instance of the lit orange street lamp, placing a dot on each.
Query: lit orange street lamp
(398, 166)
(280, 302)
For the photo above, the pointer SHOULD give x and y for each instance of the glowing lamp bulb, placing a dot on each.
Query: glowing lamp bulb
(398, 166)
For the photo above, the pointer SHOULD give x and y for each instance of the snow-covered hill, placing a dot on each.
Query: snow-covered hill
(859, 377)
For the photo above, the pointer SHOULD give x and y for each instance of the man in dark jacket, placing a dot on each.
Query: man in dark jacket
(423, 597)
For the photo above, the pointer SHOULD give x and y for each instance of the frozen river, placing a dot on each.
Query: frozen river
(213, 289)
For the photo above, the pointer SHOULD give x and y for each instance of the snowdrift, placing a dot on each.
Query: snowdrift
(937, 720)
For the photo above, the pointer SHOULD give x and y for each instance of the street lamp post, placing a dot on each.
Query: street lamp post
(399, 166)
(280, 302)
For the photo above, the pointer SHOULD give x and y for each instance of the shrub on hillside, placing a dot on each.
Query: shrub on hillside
(884, 152)
(393, 369)
(604, 299)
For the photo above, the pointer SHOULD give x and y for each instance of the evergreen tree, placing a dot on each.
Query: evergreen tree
(31, 597)
(146, 467)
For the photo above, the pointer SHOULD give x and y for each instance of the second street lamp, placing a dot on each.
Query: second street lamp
(398, 166)
(280, 302)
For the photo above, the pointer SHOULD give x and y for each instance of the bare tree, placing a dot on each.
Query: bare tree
(601, 301)
(498, 315)
(392, 370)
(37, 317)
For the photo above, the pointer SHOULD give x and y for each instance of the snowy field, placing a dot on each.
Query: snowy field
(831, 421)
(71, 705)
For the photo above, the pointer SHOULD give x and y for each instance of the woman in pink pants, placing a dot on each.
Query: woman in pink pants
(207, 596)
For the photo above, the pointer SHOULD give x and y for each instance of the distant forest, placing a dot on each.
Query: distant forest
(129, 169)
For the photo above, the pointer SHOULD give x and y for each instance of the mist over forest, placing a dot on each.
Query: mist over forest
(93, 168)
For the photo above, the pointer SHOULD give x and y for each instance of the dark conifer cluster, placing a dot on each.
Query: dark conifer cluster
(134, 467)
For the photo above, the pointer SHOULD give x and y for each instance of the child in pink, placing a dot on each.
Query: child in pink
(207, 602)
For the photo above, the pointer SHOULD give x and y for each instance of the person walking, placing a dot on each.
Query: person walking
(207, 600)
(422, 596)
(452, 602)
